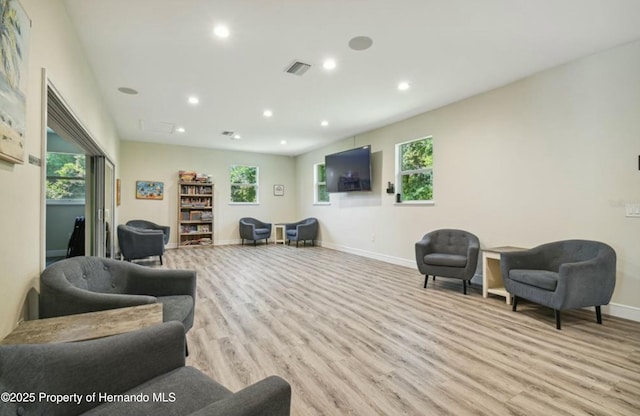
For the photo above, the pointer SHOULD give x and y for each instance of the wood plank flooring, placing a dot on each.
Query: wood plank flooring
(356, 336)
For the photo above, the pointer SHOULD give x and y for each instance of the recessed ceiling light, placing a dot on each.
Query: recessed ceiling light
(324, 123)
(329, 64)
(236, 137)
(267, 113)
(180, 130)
(283, 142)
(193, 100)
(127, 90)
(403, 86)
(221, 31)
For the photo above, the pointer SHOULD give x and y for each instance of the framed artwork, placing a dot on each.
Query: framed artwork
(14, 38)
(278, 190)
(118, 200)
(149, 190)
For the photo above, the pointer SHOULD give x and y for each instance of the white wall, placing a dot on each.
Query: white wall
(154, 162)
(54, 46)
(551, 157)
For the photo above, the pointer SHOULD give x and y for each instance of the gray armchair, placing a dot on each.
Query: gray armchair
(253, 229)
(89, 284)
(304, 230)
(149, 361)
(448, 253)
(148, 225)
(562, 275)
(138, 243)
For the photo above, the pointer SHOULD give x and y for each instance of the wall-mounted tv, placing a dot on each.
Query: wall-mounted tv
(349, 171)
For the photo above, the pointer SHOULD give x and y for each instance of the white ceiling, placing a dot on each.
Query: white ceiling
(446, 49)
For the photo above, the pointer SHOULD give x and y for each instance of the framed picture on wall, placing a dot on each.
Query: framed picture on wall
(149, 190)
(118, 187)
(278, 190)
(16, 27)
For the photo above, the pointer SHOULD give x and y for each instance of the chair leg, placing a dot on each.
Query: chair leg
(598, 315)
(464, 287)
(434, 277)
(426, 279)
(514, 299)
(160, 260)
(186, 348)
(255, 243)
(556, 312)
(297, 241)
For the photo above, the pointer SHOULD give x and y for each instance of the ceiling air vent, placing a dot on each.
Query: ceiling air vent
(227, 133)
(297, 68)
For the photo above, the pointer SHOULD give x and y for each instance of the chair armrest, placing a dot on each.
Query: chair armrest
(73, 300)
(423, 247)
(268, 397)
(586, 283)
(160, 282)
(246, 229)
(113, 365)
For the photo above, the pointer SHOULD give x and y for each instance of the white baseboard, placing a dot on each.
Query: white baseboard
(622, 311)
(370, 254)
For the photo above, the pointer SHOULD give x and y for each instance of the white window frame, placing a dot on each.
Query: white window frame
(400, 173)
(256, 185)
(317, 184)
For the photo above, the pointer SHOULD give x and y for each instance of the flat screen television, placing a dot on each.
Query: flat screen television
(349, 171)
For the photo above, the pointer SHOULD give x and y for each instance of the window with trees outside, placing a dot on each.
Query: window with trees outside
(414, 167)
(66, 177)
(244, 184)
(320, 194)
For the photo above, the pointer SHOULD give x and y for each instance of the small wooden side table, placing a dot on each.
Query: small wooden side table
(280, 233)
(491, 275)
(85, 326)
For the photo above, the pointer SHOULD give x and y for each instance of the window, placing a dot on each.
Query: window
(66, 177)
(320, 194)
(244, 184)
(415, 169)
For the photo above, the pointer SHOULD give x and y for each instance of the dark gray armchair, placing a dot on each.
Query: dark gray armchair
(448, 253)
(253, 229)
(562, 275)
(149, 362)
(137, 243)
(148, 225)
(304, 231)
(89, 284)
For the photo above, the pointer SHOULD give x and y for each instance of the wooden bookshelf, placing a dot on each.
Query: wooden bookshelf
(195, 212)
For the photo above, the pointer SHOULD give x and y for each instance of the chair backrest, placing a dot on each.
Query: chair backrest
(451, 241)
(572, 251)
(249, 220)
(88, 273)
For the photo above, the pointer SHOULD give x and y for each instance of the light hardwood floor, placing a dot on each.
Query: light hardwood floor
(356, 336)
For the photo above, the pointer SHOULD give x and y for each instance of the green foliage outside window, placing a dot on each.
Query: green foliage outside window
(321, 183)
(244, 184)
(416, 170)
(65, 176)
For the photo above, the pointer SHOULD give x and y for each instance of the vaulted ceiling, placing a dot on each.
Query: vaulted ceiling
(445, 50)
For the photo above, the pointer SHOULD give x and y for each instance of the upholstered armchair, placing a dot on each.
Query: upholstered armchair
(89, 284)
(148, 225)
(253, 229)
(304, 230)
(448, 253)
(561, 275)
(149, 363)
(138, 243)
